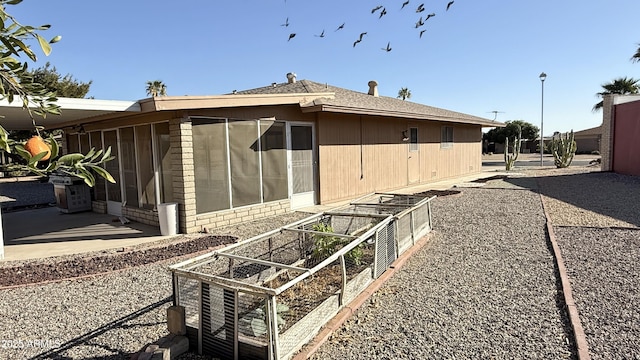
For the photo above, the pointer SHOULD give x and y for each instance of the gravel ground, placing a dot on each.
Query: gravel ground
(580, 199)
(604, 275)
(483, 288)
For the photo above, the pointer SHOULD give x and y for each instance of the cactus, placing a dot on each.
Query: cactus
(510, 159)
(563, 147)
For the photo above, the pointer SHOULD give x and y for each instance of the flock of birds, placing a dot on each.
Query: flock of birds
(381, 11)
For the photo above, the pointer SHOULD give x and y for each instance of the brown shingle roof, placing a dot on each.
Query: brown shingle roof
(349, 101)
(592, 131)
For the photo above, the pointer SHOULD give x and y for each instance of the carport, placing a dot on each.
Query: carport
(17, 118)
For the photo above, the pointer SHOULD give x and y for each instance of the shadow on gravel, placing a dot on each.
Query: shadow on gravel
(604, 193)
(86, 339)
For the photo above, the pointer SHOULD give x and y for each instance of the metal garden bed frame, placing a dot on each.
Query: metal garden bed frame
(247, 301)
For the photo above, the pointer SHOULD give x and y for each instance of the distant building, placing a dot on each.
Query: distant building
(588, 140)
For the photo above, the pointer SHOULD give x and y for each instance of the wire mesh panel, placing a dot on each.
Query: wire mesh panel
(404, 233)
(309, 305)
(422, 220)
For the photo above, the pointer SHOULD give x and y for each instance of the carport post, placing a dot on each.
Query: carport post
(1, 238)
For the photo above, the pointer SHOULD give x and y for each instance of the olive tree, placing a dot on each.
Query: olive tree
(17, 83)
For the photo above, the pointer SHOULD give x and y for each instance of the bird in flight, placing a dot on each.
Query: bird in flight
(286, 22)
(404, 4)
(340, 27)
(359, 39)
(382, 13)
(376, 9)
(291, 36)
(420, 8)
(321, 34)
(429, 16)
(388, 48)
(449, 4)
(422, 32)
(419, 23)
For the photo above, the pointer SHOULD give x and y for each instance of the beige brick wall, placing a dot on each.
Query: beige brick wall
(184, 186)
(606, 142)
(144, 216)
(246, 213)
(99, 206)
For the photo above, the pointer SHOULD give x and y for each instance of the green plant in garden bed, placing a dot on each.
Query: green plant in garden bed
(326, 245)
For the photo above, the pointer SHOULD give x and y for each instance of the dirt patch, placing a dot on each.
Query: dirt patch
(495, 177)
(96, 264)
(438, 193)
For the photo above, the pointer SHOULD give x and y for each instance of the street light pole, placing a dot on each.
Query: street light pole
(543, 76)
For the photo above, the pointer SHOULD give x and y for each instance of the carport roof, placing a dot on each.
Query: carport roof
(14, 117)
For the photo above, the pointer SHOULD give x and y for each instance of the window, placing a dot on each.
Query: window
(238, 162)
(413, 139)
(446, 138)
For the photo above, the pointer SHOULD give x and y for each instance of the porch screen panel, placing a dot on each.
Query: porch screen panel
(128, 159)
(273, 146)
(145, 166)
(84, 143)
(99, 190)
(163, 147)
(73, 144)
(244, 156)
(113, 190)
(302, 159)
(211, 166)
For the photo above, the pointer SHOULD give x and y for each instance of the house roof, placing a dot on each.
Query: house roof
(354, 102)
(587, 132)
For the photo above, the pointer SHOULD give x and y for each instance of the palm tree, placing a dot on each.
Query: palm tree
(622, 86)
(404, 93)
(156, 88)
(636, 56)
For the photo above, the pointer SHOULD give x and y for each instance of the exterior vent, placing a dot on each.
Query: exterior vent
(373, 88)
(291, 78)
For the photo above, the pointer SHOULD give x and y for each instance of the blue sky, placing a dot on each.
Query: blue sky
(478, 57)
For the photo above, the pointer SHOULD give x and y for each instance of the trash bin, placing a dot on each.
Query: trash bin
(168, 218)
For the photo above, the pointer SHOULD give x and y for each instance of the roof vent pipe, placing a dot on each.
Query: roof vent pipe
(291, 78)
(373, 88)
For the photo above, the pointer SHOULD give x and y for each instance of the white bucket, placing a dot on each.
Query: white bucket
(168, 218)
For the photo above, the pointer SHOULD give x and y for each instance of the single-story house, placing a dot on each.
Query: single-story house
(230, 158)
(588, 140)
(620, 134)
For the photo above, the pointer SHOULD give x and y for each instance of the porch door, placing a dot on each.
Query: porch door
(301, 165)
(114, 193)
(413, 160)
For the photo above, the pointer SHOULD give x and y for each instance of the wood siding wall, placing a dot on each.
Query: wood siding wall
(360, 155)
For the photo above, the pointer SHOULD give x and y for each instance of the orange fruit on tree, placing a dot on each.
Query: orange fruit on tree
(37, 145)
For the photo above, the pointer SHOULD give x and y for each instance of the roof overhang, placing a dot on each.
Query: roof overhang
(309, 108)
(15, 117)
(163, 103)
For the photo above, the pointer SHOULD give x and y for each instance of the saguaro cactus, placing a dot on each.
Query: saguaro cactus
(510, 158)
(563, 147)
